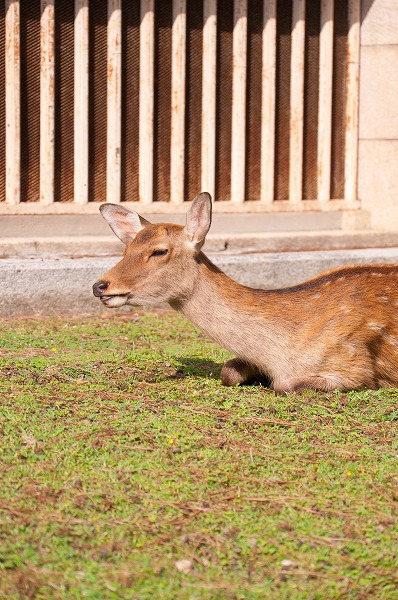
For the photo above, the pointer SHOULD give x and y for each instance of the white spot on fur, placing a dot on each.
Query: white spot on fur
(351, 349)
(390, 339)
(376, 326)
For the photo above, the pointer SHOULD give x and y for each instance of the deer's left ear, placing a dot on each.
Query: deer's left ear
(199, 220)
(124, 223)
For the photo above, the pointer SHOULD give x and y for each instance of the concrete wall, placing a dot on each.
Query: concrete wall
(378, 114)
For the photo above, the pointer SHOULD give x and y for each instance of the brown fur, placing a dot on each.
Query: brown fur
(336, 331)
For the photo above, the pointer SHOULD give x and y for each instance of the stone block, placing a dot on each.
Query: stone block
(379, 92)
(379, 22)
(378, 182)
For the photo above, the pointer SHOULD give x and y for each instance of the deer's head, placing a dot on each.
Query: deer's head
(159, 260)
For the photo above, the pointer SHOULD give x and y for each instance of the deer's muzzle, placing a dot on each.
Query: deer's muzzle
(99, 288)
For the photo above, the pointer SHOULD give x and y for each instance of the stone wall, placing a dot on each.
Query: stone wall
(378, 114)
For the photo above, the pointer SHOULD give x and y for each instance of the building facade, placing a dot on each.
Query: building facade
(282, 106)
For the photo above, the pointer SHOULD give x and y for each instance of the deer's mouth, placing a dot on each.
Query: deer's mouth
(114, 301)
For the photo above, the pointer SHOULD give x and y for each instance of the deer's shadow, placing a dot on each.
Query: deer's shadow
(195, 366)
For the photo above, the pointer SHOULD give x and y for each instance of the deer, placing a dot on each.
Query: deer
(337, 331)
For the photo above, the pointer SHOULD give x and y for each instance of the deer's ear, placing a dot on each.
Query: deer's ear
(199, 219)
(124, 223)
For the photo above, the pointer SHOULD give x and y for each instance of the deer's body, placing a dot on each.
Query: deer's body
(337, 331)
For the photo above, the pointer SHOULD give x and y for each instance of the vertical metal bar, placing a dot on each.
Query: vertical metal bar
(47, 97)
(297, 102)
(352, 91)
(209, 64)
(268, 102)
(177, 153)
(147, 54)
(325, 100)
(114, 101)
(239, 68)
(81, 74)
(13, 98)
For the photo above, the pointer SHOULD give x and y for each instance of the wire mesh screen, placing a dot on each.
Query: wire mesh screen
(30, 101)
(162, 118)
(311, 96)
(225, 19)
(284, 15)
(130, 99)
(98, 16)
(339, 97)
(253, 102)
(2, 104)
(193, 99)
(63, 125)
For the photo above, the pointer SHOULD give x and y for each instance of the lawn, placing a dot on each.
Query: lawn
(128, 471)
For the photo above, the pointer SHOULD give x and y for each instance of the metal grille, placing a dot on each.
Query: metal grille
(152, 101)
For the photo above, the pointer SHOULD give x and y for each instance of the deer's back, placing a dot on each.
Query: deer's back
(344, 321)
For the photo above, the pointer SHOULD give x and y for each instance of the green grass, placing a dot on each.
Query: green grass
(121, 454)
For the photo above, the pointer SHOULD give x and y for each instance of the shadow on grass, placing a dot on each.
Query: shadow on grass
(193, 366)
(208, 369)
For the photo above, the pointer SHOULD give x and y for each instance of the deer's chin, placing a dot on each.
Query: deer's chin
(113, 301)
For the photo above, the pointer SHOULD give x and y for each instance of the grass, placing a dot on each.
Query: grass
(128, 471)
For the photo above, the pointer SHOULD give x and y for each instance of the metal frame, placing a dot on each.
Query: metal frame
(238, 202)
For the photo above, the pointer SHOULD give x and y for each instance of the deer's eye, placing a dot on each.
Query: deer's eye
(158, 253)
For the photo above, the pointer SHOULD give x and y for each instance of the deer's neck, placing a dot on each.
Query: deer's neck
(241, 319)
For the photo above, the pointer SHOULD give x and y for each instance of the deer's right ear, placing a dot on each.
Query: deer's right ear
(199, 219)
(124, 223)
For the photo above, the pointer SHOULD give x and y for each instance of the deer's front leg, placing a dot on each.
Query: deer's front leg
(236, 371)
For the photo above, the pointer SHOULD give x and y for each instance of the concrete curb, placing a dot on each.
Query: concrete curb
(61, 287)
(79, 246)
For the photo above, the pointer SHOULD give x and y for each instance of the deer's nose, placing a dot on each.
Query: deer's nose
(99, 288)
